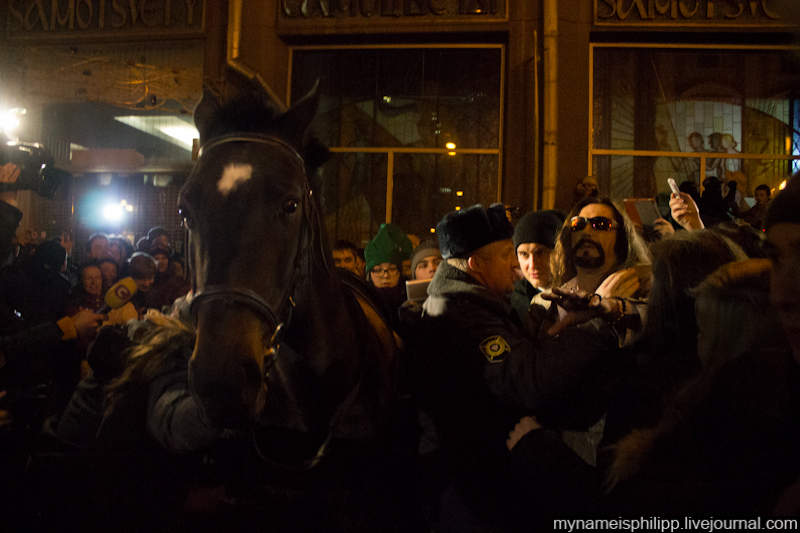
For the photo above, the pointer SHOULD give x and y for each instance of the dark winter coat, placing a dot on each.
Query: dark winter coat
(479, 371)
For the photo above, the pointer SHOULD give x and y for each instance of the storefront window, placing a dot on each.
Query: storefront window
(434, 116)
(690, 114)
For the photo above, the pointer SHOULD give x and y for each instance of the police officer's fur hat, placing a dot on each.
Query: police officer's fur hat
(462, 232)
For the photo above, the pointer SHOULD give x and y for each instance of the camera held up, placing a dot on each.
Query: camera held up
(35, 164)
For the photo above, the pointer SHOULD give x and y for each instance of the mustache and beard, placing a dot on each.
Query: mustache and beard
(583, 257)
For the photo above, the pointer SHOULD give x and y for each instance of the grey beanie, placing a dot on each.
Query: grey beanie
(425, 249)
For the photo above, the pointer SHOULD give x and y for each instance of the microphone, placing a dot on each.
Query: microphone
(118, 295)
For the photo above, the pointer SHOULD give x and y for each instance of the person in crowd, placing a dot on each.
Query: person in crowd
(161, 255)
(588, 187)
(89, 294)
(110, 270)
(747, 237)
(347, 256)
(142, 268)
(755, 215)
(713, 207)
(478, 370)
(664, 358)
(158, 238)
(425, 260)
(597, 251)
(384, 258)
(166, 287)
(177, 269)
(97, 247)
(726, 444)
(120, 250)
(534, 239)
(142, 245)
(37, 289)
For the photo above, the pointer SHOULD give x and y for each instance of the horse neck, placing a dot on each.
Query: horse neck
(322, 327)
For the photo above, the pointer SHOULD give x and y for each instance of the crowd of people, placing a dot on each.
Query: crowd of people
(569, 364)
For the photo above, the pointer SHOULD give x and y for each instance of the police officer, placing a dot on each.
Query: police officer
(478, 370)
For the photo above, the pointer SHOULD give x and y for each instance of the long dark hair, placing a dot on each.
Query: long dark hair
(629, 248)
(681, 263)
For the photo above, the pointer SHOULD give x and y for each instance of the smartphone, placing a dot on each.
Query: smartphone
(673, 186)
(417, 289)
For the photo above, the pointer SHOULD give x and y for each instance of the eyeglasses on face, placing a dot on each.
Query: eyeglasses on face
(378, 271)
(597, 223)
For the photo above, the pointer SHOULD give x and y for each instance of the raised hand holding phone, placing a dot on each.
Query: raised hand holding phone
(683, 208)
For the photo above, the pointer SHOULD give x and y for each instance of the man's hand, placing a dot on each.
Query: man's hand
(619, 284)
(9, 174)
(86, 323)
(663, 228)
(582, 306)
(66, 242)
(523, 427)
(685, 211)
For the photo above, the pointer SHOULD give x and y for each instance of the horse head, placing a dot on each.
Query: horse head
(248, 207)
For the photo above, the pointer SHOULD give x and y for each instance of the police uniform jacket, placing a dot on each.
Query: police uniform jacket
(478, 371)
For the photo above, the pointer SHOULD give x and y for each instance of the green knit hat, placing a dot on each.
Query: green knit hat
(390, 245)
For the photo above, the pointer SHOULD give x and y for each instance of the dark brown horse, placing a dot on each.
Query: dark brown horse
(282, 342)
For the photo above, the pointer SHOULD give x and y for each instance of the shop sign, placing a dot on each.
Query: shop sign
(44, 18)
(370, 9)
(686, 12)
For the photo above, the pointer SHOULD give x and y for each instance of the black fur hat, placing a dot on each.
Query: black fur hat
(462, 232)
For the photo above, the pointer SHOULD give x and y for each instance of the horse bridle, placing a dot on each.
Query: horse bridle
(245, 297)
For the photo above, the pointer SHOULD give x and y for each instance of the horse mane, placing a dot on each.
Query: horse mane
(253, 111)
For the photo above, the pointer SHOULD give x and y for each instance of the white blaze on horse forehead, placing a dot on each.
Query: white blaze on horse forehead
(233, 175)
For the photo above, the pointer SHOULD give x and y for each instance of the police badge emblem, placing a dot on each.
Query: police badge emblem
(494, 348)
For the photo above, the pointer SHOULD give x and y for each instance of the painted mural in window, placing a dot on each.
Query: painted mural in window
(712, 104)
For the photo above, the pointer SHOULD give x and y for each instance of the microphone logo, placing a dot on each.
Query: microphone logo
(122, 292)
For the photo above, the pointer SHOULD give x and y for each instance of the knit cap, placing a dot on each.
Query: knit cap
(390, 245)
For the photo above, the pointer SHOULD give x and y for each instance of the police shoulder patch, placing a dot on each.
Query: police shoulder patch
(495, 348)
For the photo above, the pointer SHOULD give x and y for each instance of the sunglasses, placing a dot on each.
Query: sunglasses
(597, 223)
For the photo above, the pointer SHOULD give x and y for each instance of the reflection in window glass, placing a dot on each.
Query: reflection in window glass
(403, 97)
(426, 187)
(715, 102)
(353, 196)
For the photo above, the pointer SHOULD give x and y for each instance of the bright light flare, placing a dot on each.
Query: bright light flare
(113, 212)
(782, 185)
(11, 119)
(450, 146)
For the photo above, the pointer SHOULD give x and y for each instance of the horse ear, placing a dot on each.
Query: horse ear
(297, 119)
(204, 111)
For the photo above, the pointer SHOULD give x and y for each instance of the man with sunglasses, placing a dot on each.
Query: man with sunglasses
(479, 370)
(597, 251)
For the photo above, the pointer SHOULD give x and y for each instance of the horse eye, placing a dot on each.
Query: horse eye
(290, 206)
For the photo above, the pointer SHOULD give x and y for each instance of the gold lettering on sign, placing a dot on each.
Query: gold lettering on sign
(753, 11)
(685, 13)
(68, 19)
(89, 11)
(53, 16)
(639, 7)
(120, 17)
